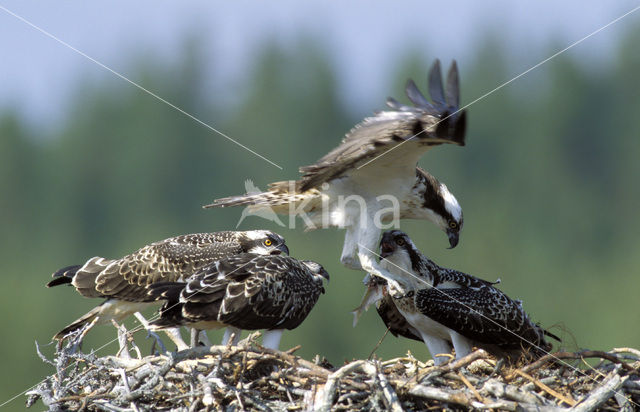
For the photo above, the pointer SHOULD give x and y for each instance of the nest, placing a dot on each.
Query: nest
(250, 377)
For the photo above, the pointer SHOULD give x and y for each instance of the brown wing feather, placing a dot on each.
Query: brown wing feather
(169, 260)
(86, 277)
(417, 127)
(252, 292)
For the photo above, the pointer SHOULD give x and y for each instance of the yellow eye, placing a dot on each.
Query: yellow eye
(268, 242)
(400, 242)
(452, 224)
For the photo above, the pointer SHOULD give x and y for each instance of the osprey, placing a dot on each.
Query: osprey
(371, 178)
(247, 292)
(124, 282)
(445, 307)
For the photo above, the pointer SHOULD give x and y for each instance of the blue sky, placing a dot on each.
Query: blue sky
(363, 38)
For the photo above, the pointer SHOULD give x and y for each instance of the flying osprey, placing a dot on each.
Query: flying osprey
(446, 307)
(371, 178)
(247, 292)
(123, 282)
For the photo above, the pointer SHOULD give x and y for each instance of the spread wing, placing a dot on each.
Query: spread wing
(483, 314)
(165, 261)
(408, 131)
(252, 292)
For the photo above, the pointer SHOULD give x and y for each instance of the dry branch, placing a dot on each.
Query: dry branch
(249, 377)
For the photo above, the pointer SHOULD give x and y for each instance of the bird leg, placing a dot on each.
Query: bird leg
(439, 348)
(231, 336)
(194, 337)
(361, 241)
(349, 257)
(462, 345)
(271, 338)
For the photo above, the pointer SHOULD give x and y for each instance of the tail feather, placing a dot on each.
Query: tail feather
(279, 198)
(241, 200)
(64, 276)
(79, 323)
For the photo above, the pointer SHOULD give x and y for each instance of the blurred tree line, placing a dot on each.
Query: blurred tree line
(548, 183)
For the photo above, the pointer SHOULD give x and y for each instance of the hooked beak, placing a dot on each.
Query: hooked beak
(324, 274)
(453, 238)
(386, 249)
(281, 249)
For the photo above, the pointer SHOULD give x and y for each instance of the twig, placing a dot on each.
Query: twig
(501, 390)
(603, 393)
(429, 392)
(375, 348)
(547, 389)
(552, 357)
(634, 352)
(390, 395)
(471, 388)
(203, 379)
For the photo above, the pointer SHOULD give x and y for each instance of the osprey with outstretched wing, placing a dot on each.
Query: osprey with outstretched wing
(246, 292)
(123, 282)
(371, 177)
(448, 308)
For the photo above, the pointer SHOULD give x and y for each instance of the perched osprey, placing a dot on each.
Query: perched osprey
(247, 292)
(371, 178)
(123, 282)
(446, 307)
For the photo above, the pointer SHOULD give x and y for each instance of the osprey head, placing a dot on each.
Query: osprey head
(440, 206)
(396, 242)
(452, 221)
(397, 248)
(263, 242)
(316, 269)
(401, 257)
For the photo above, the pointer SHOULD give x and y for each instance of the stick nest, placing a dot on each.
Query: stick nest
(249, 377)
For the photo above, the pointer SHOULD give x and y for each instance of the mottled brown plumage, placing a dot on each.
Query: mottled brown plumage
(246, 291)
(123, 282)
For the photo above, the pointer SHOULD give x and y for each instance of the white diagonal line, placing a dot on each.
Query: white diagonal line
(46, 33)
(509, 81)
(136, 329)
(493, 321)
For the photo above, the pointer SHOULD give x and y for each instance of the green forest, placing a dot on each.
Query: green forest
(547, 182)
